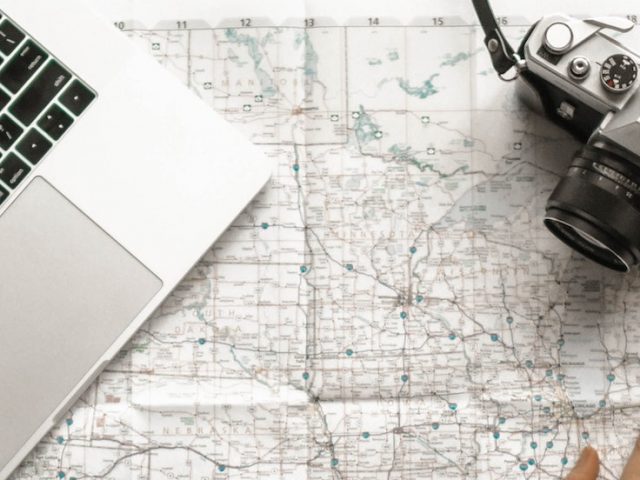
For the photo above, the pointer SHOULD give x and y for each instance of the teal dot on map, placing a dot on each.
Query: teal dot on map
(202, 341)
(419, 298)
(222, 468)
(452, 336)
(60, 440)
(529, 364)
(435, 425)
(585, 435)
(611, 377)
(349, 267)
(349, 352)
(561, 342)
(523, 467)
(537, 398)
(305, 375)
(502, 420)
(334, 462)
(496, 435)
(403, 315)
(509, 320)
(531, 461)
(546, 409)
(549, 373)
(61, 474)
(494, 337)
(404, 378)
(549, 444)
(296, 167)
(303, 269)
(365, 435)
(69, 422)
(546, 430)
(533, 445)
(453, 406)
(602, 403)
(265, 225)
(560, 377)
(413, 250)
(378, 134)
(564, 460)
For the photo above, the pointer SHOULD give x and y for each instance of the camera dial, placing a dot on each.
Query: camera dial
(618, 73)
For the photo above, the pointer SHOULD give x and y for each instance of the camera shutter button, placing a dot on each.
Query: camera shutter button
(558, 37)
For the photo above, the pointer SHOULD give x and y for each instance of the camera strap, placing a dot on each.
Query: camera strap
(503, 57)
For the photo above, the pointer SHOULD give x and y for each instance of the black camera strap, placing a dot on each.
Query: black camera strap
(502, 54)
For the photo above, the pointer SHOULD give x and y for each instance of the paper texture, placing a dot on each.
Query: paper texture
(391, 307)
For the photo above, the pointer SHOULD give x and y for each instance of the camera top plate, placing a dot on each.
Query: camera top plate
(558, 40)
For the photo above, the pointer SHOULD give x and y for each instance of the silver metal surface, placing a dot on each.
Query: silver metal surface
(589, 41)
(493, 45)
(579, 67)
(566, 110)
(619, 24)
(67, 291)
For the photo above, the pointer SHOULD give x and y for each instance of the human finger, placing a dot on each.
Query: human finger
(587, 466)
(632, 469)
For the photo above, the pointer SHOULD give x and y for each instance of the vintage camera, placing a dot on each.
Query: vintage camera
(581, 75)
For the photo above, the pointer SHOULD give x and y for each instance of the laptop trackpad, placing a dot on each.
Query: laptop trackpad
(67, 291)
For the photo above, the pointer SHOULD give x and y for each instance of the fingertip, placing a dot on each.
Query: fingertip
(632, 467)
(587, 466)
(590, 455)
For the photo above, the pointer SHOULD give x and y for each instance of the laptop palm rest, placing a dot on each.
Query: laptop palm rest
(67, 291)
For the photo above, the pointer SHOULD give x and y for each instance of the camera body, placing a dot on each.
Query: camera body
(583, 78)
(581, 75)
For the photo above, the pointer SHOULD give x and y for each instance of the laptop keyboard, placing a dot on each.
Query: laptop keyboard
(40, 99)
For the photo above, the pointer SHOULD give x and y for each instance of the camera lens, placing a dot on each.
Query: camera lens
(595, 209)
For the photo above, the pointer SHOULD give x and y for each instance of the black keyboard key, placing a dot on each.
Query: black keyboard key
(10, 37)
(77, 97)
(44, 88)
(22, 66)
(55, 122)
(4, 99)
(33, 146)
(3, 195)
(9, 132)
(13, 170)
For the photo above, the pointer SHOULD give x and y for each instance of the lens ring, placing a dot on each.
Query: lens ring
(595, 209)
(586, 244)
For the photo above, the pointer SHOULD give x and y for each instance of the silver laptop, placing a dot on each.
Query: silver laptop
(114, 181)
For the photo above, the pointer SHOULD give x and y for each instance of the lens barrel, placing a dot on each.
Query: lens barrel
(595, 209)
